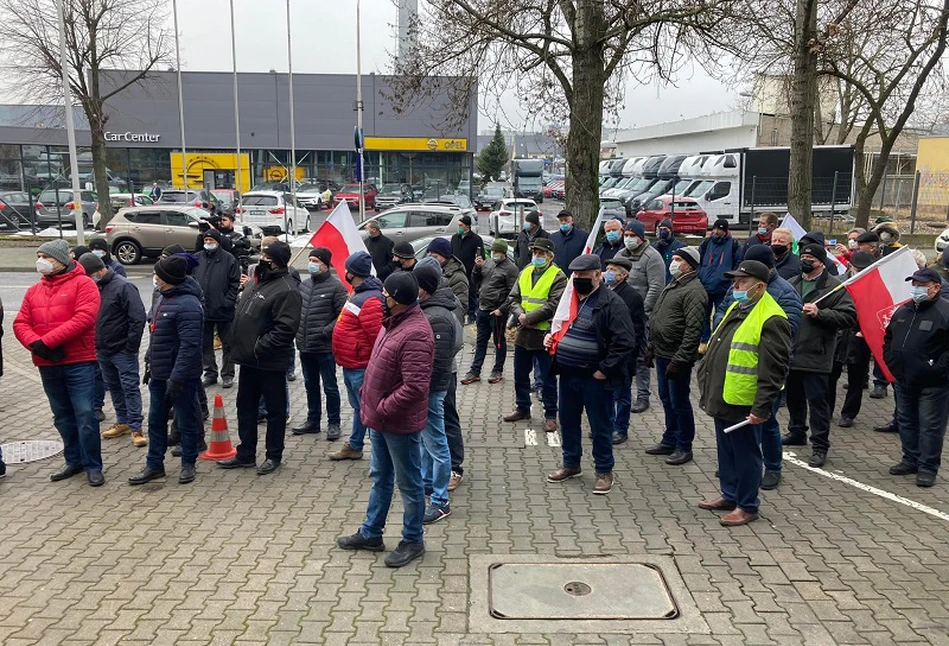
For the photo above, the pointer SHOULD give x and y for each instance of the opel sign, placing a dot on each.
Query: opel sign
(133, 137)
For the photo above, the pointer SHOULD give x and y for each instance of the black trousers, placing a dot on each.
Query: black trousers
(856, 376)
(252, 384)
(809, 392)
(456, 443)
(208, 360)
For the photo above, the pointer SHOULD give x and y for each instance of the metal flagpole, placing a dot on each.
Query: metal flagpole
(293, 139)
(359, 107)
(237, 109)
(181, 100)
(70, 131)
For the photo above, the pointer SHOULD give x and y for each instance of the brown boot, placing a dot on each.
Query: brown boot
(564, 473)
(717, 504)
(603, 483)
(517, 416)
(139, 439)
(346, 453)
(116, 430)
(737, 517)
(550, 425)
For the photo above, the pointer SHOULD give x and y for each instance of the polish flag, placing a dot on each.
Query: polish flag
(570, 302)
(339, 234)
(878, 291)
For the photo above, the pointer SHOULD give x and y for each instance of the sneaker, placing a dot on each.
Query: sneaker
(405, 553)
(903, 469)
(139, 439)
(495, 377)
(359, 542)
(603, 483)
(470, 378)
(818, 458)
(116, 430)
(770, 480)
(100, 416)
(640, 406)
(878, 392)
(564, 473)
(924, 479)
(435, 514)
(346, 453)
(333, 432)
(455, 480)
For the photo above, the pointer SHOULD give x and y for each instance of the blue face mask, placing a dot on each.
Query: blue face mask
(565, 228)
(762, 231)
(609, 277)
(539, 262)
(314, 267)
(920, 293)
(741, 296)
(527, 226)
(612, 236)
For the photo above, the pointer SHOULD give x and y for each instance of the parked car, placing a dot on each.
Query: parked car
(505, 218)
(553, 189)
(140, 231)
(199, 197)
(314, 196)
(490, 194)
(420, 246)
(15, 211)
(463, 202)
(122, 201)
(612, 208)
(392, 195)
(349, 193)
(48, 215)
(686, 215)
(270, 210)
(942, 241)
(412, 221)
(228, 199)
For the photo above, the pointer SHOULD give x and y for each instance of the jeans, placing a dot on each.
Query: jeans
(71, 393)
(523, 362)
(879, 379)
(642, 380)
(739, 463)
(207, 349)
(353, 377)
(436, 459)
(922, 415)
(714, 300)
(395, 457)
(674, 393)
(472, 298)
(252, 384)
(317, 367)
(809, 390)
(189, 425)
(99, 402)
(622, 404)
(579, 392)
(487, 326)
(456, 443)
(771, 450)
(120, 374)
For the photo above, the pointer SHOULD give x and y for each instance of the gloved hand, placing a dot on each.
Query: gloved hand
(57, 354)
(672, 370)
(174, 389)
(648, 358)
(41, 350)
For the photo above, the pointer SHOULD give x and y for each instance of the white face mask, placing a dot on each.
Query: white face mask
(210, 246)
(155, 282)
(100, 253)
(498, 257)
(44, 266)
(631, 242)
(675, 269)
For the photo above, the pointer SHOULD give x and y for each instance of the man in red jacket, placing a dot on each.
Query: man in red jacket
(395, 408)
(57, 323)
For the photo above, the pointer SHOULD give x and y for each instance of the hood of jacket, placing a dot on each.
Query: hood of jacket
(443, 297)
(886, 227)
(371, 283)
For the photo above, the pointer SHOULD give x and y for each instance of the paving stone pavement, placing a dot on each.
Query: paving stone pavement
(237, 558)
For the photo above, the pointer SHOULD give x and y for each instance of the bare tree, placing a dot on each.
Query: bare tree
(566, 59)
(100, 34)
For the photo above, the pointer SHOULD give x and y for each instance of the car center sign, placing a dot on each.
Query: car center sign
(132, 137)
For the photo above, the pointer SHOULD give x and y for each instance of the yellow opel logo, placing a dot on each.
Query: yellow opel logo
(432, 144)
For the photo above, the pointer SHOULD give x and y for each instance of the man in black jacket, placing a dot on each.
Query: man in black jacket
(916, 350)
(592, 358)
(495, 278)
(616, 278)
(268, 317)
(467, 246)
(380, 249)
(403, 257)
(100, 248)
(525, 238)
(323, 299)
(219, 276)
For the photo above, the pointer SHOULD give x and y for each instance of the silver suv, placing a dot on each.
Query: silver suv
(412, 221)
(144, 231)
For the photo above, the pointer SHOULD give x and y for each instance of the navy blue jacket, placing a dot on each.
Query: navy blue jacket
(121, 316)
(117, 267)
(606, 251)
(718, 256)
(569, 246)
(666, 248)
(177, 321)
(781, 291)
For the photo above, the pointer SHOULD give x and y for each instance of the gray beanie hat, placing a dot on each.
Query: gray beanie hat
(56, 249)
(688, 254)
(91, 263)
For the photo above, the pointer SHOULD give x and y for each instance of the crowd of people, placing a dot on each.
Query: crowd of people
(762, 324)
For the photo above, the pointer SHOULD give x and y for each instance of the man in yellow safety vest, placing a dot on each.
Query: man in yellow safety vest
(740, 377)
(533, 303)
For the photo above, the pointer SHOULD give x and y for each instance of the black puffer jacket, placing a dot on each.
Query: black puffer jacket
(121, 316)
(380, 250)
(174, 350)
(439, 309)
(815, 343)
(494, 281)
(268, 317)
(220, 278)
(323, 299)
(916, 344)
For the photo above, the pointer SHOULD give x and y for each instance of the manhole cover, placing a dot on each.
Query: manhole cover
(580, 591)
(30, 451)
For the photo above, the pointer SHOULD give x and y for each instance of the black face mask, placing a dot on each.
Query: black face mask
(807, 266)
(583, 285)
(779, 250)
(386, 308)
(264, 267)
(349, 278)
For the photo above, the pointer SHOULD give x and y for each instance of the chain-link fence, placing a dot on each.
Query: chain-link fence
(920, 198)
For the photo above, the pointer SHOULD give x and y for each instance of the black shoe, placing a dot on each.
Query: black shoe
(770, 480)
(268, 466)
(924, 479)
(903, 469)
(619, 438)
(660, 449)
(147, 475)
(3, 469)
(292, 376)
(176, 452)
(405, 553)
(818, 458)
(95, 478)
(359, 542)
(227, 382)
(879, 392)
(208, 381)
(305, 429)
(886, 428)
(67, 471)
(333, 432)
(794, 440)
(187, 474)
(236, 463)
(640, 406)
(100, 416)
(679, 457)
(845, 422)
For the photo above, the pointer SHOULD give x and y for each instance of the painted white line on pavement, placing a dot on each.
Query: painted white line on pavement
(530, 437)
(790, 457)
(553, 439)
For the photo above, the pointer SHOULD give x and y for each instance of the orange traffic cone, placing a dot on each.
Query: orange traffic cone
(220, 447)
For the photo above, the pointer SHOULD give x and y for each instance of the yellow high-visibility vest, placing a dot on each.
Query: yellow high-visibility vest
(534, 295)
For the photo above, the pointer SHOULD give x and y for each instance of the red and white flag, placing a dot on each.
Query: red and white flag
(570, 302)
(877, 291)
(339, 234)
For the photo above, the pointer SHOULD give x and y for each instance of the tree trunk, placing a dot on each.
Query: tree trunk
(872, 183)
(803, 100)
(99, 170)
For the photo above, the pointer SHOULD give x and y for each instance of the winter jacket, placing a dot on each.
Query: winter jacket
(394, 393)
(752, 240)
(220, 279)
(440, 309)
(358, 325)
(466, 247)
(454, 271)
(174, 349)
(568, 246)
(61, 311)
(893, 243)
(268, 317)
(380, 249)
(121, 316)
(675, 328)
(528, 337)
(818, 237)
(522, 252)
(718, 255)
(773, 351)
(789, 266)
(117, 267)
(637, 312)
(816, 338)
(916, 344)
(494, 281)
(781, 291)
(648, 274)
(666, 248)
(606, 251)
(323, 298)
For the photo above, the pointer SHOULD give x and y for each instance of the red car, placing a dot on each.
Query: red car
(350, 193)
(687, 216)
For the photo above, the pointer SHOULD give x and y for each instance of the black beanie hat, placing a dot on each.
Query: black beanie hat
(403, 287)
(279, 253)
(173, 270)
(324, 254)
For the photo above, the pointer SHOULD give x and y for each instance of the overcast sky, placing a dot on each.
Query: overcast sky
(324, 41)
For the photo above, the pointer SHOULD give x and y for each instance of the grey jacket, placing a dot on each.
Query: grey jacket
(439, 309)
(454, 271)
(494, 282)
(648, 274)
